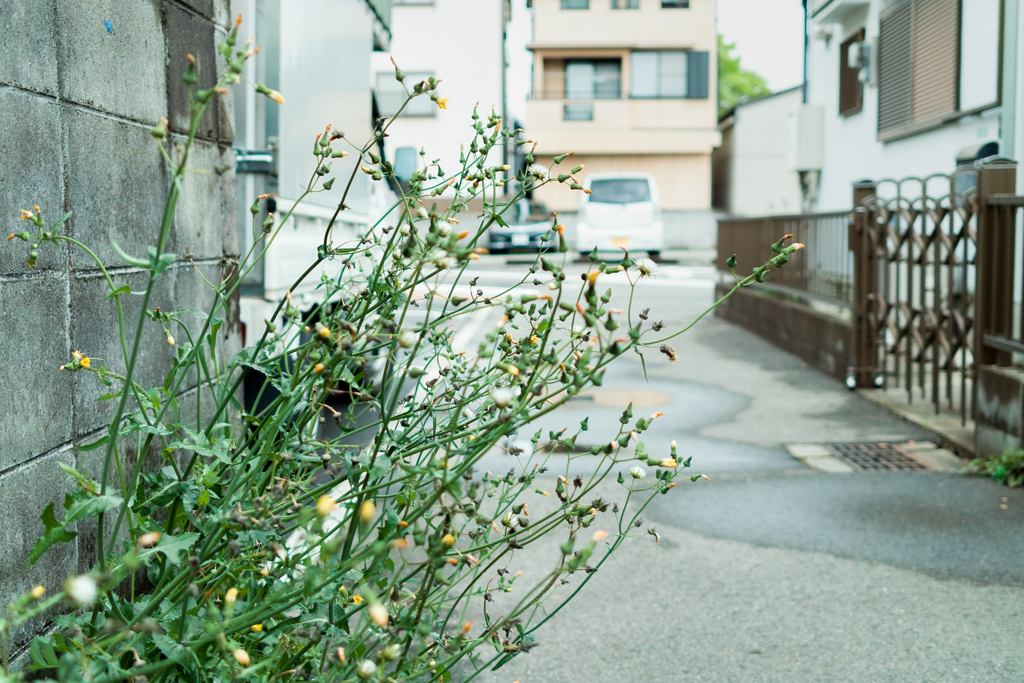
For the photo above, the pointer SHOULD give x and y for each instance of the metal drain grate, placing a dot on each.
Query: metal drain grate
(874, 456)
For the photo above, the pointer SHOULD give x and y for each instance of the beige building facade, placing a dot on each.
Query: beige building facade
(628, 85)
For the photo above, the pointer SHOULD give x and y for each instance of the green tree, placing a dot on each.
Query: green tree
(734, 82)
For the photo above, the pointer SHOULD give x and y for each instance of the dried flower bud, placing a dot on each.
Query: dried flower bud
(149, 540)
(379, 615)
(366, 669)
(231, 596)
(241, 656)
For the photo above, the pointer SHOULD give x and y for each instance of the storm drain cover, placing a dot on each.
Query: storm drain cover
(874, 456)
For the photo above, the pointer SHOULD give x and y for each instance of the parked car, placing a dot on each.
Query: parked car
(527, 222)
(622, 210)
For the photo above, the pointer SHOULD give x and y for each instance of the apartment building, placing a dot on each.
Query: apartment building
(630, 85)
(460, 42)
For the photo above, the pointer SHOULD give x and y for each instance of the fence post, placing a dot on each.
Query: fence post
(865, 284)
(993, 265)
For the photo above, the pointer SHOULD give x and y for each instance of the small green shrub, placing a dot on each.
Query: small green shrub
(1007, 468)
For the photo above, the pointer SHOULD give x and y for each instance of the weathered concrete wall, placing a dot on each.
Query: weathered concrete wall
(823, 341)
(999, 422)
(81, 84)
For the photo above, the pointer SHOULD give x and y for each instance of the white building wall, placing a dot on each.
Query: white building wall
(459, 42)
(760, 178)
(852, 150)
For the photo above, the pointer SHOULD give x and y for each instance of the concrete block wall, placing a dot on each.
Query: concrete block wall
(81, 84)
(823, 341)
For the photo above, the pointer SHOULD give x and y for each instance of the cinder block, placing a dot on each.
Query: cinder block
(116, 181)
(206, 210)
(190, 34)
(36, 395)
(30, 169)
(204, 7)
(25, 492)
(29, 55)
(111, 55)
(94, 330)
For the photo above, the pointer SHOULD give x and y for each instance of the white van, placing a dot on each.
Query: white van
(622, 210)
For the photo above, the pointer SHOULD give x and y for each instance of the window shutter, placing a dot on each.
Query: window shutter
(697, 65)
(936, 57)
(895, 67)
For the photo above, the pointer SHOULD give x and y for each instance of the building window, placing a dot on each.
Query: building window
(578, 112)
(391, 95)
(675, 4)
(670, 73)
(851, 90)
(593, 79)
(625, 4)
(575, 4)
(918, 65)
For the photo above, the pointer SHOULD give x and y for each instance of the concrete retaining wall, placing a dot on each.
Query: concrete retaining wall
(81, 84)
(999, 422)
(822, 340)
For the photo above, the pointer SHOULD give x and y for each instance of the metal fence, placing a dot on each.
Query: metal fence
(928, 267)
(823, 269)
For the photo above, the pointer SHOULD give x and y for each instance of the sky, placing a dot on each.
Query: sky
(768, 36)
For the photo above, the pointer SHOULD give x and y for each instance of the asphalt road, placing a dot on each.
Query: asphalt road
(772, 571)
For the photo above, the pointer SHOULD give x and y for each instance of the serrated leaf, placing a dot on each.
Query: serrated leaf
(89, 507)
(55, 533)
(171, 648)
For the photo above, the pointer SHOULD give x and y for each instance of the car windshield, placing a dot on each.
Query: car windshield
(620, 191)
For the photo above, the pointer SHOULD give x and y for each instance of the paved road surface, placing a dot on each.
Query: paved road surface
(772, 571)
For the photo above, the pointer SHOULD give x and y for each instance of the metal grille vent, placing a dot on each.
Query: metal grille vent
(874, 456)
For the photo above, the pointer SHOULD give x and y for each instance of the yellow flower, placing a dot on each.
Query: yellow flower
(256, 628)
(276, 96)
(241, 656)
(26, 214)
(325, 505)
(38, 592)
(76, 355)
(86, 362)
(442, 102)
(358, 599)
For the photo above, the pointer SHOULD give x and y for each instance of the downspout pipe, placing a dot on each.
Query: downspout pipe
(804, 86)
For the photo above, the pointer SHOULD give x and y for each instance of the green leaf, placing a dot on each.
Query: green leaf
(120, 290)
(171, 546)
(380, 467)
(55, 533)
(43, 654)
(91, 506)
(171, 648)
(130, 260)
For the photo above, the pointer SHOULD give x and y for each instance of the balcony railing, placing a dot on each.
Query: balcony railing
(560, 94)
(389, 103)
